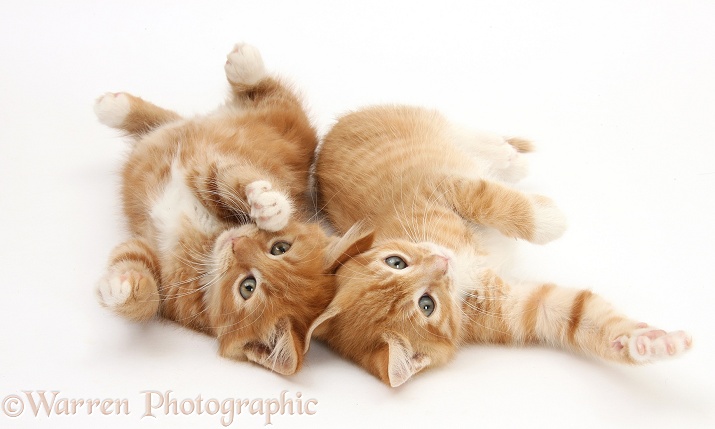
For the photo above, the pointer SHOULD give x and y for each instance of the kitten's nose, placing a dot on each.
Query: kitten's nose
(442, 263)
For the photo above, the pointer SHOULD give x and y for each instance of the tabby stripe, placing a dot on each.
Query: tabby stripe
(577, 313)
(145, 247)
(142, 258)
(214, 195)
(531, 310)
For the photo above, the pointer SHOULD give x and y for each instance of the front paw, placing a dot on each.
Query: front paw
(649, 344)
(270, 210)
(244, 65)
(549, 222)
(129, 293)
(115, 289)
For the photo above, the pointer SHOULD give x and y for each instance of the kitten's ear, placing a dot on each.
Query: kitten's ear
(282, 357)
(329, 313)
(401, 361)
(355, 241)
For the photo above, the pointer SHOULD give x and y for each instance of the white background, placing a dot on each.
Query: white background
(619, 97)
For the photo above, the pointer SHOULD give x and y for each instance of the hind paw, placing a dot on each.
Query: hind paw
(649, 344)
(129, 293)
(508, 164)
(112, 108)
(244, 65)
(116, 289)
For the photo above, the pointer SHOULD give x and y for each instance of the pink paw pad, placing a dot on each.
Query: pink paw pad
(647, 344)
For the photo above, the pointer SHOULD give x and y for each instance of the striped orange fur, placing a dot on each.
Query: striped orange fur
(218, 214)
(428, 189)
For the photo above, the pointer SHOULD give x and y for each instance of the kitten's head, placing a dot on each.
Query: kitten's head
(270, 287)
(395, 311)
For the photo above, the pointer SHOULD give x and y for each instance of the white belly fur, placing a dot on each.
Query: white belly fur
(175, 205)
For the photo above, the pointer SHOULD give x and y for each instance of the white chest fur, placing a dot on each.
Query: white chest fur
(177, 208)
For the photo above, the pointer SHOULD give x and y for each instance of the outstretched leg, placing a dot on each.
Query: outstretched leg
(250, 83)
(267, 99)
(530, 217)
(573, 319)
(130, 287)
(495, 156)
(131, 114)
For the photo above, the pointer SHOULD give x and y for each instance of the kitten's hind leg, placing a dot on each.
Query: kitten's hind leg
(251, 85)
(570, 318)
(129, 287)
(530, 217)
(244, 67)
(494, 155)
(646, 344)
(131, 114)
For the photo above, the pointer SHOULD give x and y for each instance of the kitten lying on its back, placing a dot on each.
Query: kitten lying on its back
(190, 187)
(424, 288)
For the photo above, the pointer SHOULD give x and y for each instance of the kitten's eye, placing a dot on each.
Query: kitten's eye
(396, 262)
(280, 248)
(248, 286)
(426, 304)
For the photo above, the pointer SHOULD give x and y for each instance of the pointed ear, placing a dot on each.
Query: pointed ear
(355, 241)
(329, 313)
(284, 358)
(278, 353)
(402, 363)
(230, 347)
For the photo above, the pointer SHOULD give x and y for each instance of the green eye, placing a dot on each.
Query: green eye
(280, 248)
(248, 286)
(426, 304)
(396, 262)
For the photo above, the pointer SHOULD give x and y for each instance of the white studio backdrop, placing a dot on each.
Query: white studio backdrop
(618, 96)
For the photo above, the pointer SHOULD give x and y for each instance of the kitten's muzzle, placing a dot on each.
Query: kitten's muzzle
(440, 263)
(240, 244)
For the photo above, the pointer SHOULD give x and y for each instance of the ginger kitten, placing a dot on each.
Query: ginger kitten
(427, 189)
(217, 210)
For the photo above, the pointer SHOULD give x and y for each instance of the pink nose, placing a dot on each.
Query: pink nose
(442, 263)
